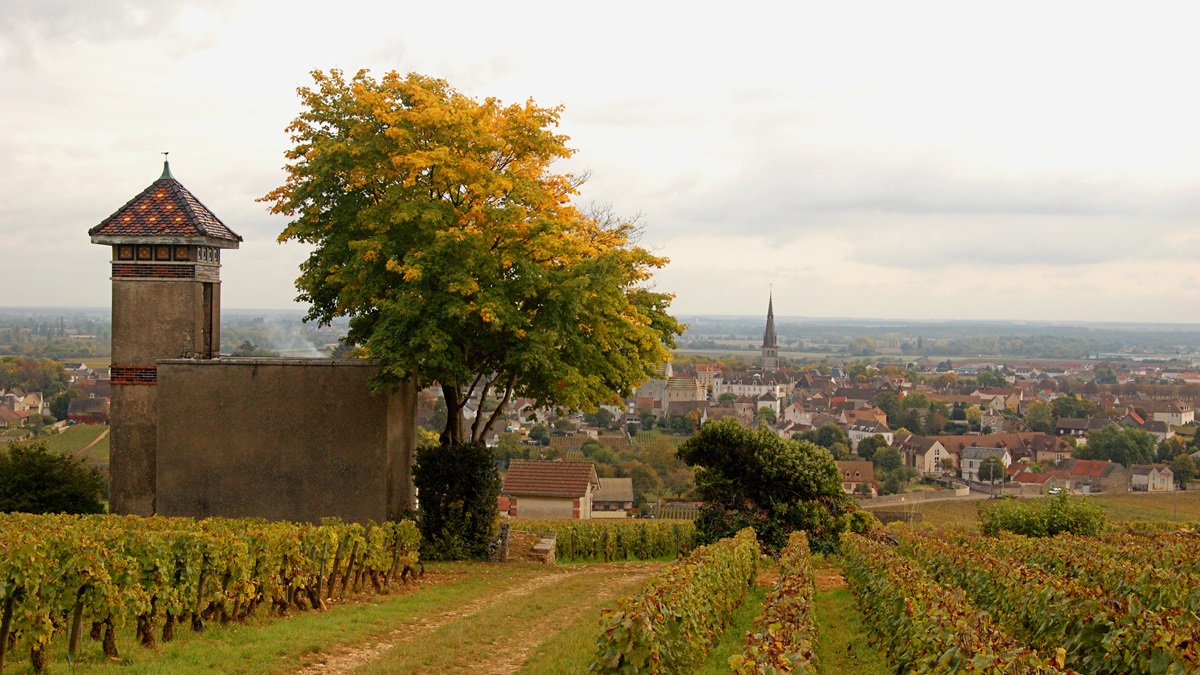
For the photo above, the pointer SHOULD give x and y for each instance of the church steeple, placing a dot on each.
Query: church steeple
(770, 346)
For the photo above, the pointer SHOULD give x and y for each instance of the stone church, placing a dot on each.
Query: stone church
(198, 434)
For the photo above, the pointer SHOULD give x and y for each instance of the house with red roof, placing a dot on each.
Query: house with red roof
(550, 489)
(1093, 475)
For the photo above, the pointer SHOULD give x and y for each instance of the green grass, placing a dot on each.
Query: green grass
(97, 453)
(842, 645)
(72, 439)
(1161, 506)
(734, 640)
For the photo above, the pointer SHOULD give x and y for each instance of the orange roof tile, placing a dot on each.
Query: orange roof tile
(165, 209)
(537, 478)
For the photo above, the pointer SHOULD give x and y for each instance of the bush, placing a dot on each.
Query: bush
(35, 480)
(1043, 517)
(457, 487)
(753, 478)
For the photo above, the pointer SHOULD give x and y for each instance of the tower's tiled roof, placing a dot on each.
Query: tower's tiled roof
(165, 209)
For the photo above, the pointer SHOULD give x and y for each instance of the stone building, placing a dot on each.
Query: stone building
(194, 434)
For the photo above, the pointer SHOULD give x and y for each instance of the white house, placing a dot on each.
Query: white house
(867, 428)
(972, 457)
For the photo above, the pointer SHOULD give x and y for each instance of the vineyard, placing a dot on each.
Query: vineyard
(609, 540)
(81, 590)
(1122, 602)
(60, 573)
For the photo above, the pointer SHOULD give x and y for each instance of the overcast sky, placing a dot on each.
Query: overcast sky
(891, 160)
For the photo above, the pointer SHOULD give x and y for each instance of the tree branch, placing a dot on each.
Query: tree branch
(508, 390)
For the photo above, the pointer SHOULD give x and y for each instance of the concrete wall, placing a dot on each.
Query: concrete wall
(282, 439)
(152, 319)
(158, 319)
(545, 507)
(132, 447)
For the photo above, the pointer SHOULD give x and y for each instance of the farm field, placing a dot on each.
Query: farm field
(1181, 506)
(75, 439)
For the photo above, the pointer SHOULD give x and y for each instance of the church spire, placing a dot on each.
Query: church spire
(770, 346)
(769, 337)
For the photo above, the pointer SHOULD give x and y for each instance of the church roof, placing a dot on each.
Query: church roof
(165, 211)
(769, 337)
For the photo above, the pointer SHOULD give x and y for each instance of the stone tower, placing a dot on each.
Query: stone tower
(166, 304)
(770, 346)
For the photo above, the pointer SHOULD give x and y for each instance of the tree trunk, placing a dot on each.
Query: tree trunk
(453, 433)
(5, 628)
(110, 640)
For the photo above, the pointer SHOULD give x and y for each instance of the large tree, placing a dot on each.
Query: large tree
(440, 230)
(1124, 445)
(753, 477)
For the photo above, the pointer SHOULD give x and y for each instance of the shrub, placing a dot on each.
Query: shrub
(457, 487)
(1043, 517)
(35, 480)
(753, 478)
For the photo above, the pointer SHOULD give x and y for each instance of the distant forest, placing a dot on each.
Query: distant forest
(67, 333)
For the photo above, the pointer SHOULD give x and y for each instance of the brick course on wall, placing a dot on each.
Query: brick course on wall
(133, 374)
(153, 271)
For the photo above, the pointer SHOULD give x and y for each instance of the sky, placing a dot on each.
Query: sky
(1021, 161)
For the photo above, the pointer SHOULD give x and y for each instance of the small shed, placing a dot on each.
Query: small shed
(88, 410)
(614, 498)
(550, 489)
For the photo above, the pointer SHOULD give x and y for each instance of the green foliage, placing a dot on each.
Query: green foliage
(1039, 416)
(35, 480)
(1044, 517)
(785, 634)
(766, 414)
(61, 402)
(991, 469)
(1184, 469)
(614, 540)
(540, 433)
(33, 375)
(826, 436)
(887, 459)
(1124, 445)
(753, 478)
(438, 228)
(867, 447)
(925, 627)
(670, 625)
(248, 349)
(895, 481)
(458, 486)
(987, 378)
(1072, 406)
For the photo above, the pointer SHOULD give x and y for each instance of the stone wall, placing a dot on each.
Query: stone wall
(282, 439)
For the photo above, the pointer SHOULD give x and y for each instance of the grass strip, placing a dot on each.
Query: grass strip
(734, 639)
(503, 636)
